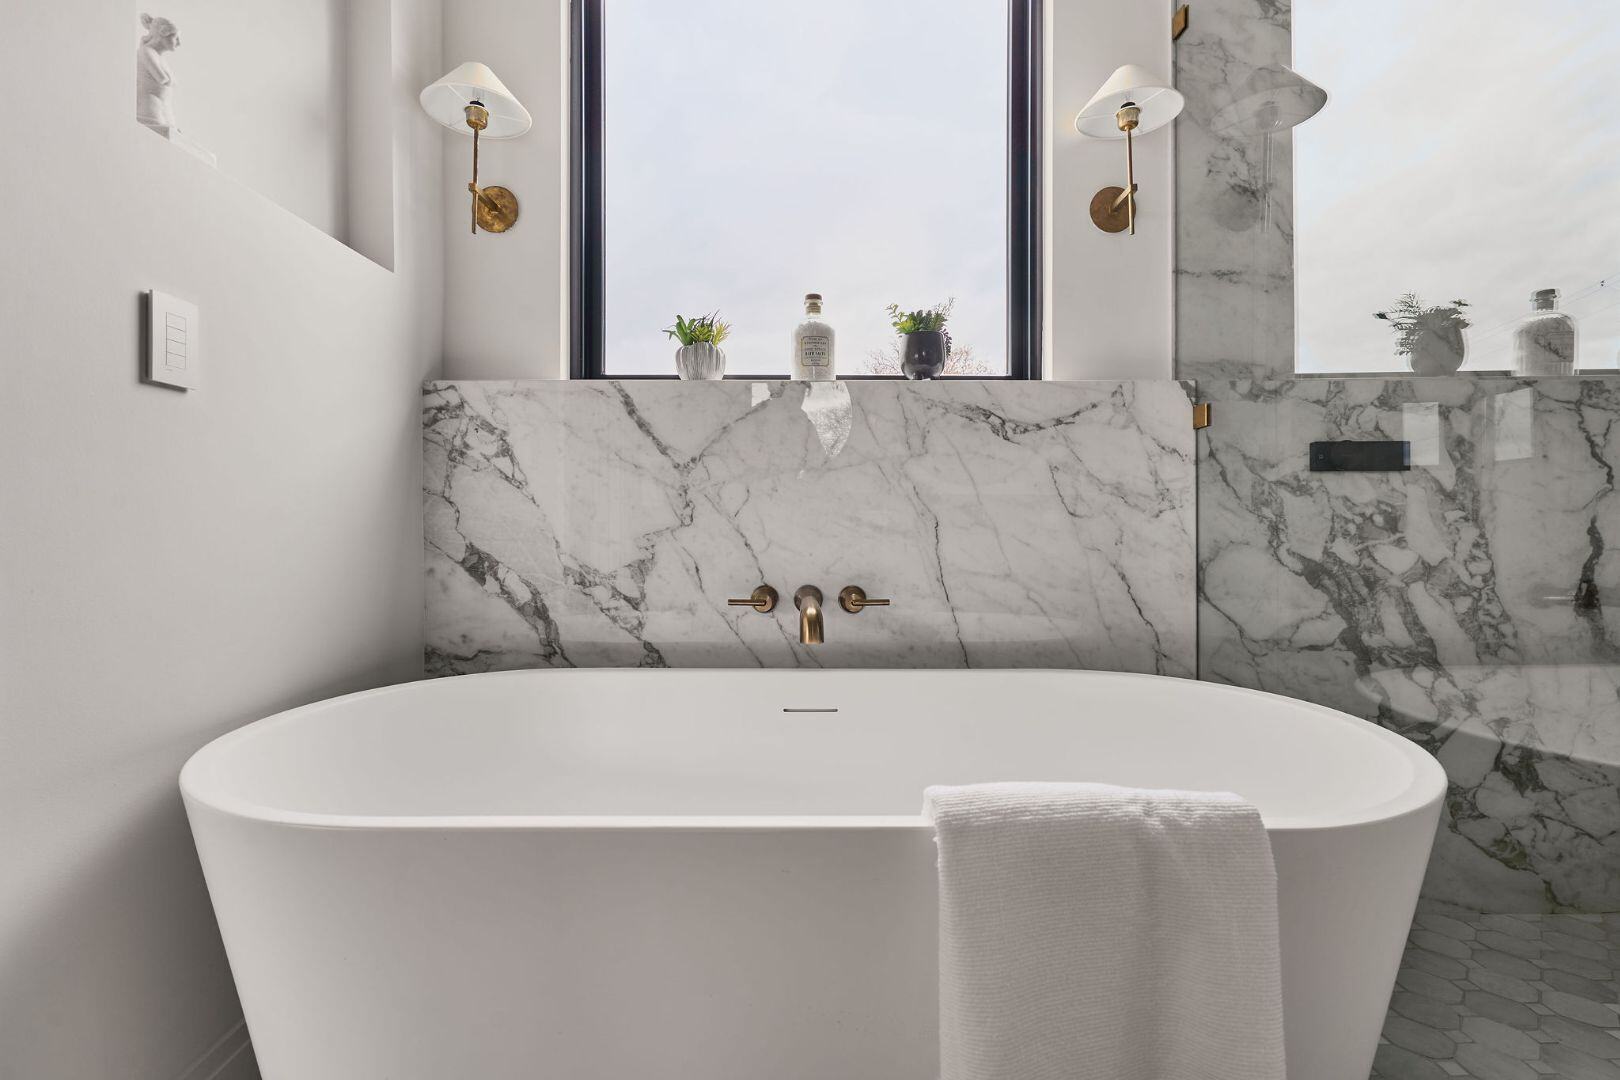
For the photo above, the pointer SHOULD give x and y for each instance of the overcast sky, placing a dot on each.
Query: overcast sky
(1467, 150)
(761, 149)
(757, 150)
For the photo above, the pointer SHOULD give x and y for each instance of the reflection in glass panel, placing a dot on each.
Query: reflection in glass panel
(1467, 153)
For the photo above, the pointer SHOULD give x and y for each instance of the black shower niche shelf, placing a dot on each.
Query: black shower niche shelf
(1363, 455)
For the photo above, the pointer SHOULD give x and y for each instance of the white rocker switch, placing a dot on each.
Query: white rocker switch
(174, 341)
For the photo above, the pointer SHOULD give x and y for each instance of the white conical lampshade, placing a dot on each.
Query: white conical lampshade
(1159, 101)
(447, 100)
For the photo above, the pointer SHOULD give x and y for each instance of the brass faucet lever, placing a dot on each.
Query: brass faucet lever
(854, 600)
(808, 601)
(762, 599)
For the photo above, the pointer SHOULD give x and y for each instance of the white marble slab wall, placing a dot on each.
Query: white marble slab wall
(1012, 524)
(1438, 601)
(1234, 272)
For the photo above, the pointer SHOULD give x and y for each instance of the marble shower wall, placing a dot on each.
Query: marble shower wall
(1234, 273)
(1439, 602)
(1013, 524)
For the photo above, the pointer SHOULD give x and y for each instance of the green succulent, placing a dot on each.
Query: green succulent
(909, 322)
(699, 329)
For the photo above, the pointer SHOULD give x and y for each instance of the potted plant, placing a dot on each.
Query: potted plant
(925, 344)
(1430, 337)
(699, 356)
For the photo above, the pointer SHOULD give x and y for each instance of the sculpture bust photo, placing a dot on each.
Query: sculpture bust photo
(154, 82)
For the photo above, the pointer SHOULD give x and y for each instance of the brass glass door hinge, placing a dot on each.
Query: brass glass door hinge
(1178, 22)
(1201, 416)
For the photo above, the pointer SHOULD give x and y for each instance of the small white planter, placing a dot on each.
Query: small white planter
(1439, 351)
(700, 361)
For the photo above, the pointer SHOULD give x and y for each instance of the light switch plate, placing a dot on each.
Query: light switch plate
(173, 341)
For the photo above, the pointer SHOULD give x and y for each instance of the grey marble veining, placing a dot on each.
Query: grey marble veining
(1438, 601)
(1234, 273)
(606, 523)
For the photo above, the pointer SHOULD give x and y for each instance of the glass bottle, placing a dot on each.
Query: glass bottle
(813, 343)
(1544, 343)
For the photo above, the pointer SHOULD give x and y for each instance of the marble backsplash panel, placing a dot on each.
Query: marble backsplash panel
(1013, 524)
(1438, 601)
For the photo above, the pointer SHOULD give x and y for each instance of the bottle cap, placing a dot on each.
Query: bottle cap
(1545, 296)
(812, 296)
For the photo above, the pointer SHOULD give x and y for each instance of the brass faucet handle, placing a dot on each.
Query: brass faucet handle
(762, 600)
(853, 599)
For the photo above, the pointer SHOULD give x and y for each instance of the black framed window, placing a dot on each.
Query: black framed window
(733, 155)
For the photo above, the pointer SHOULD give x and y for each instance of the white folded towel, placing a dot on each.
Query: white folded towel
(1089, 932)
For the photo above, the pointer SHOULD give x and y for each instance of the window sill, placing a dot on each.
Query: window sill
(1480, 373)
(785, 378)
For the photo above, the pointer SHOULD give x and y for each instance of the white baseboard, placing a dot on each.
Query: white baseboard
(230, 1058)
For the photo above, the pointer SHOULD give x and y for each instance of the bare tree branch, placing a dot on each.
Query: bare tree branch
(961, 361)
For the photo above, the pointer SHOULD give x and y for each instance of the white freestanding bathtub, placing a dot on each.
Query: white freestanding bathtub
(724, 874)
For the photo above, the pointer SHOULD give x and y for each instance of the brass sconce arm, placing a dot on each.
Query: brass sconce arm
(1113, 209)
(483, 198)
(494, 208)
(471, 99)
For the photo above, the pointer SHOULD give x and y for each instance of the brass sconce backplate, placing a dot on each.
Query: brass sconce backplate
(497, 209)
(1109, 211)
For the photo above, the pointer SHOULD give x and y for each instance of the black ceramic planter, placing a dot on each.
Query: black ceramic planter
(923, 353)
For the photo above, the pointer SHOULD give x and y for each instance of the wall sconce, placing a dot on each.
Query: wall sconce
(471, 98)
(1132, 101)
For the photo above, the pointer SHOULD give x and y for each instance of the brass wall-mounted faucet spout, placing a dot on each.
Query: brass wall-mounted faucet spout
(808, 601)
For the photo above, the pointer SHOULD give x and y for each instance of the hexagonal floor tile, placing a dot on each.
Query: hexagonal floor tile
(1506, 997)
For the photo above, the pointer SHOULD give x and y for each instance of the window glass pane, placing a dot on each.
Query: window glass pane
(1467, 152)
(757, 150)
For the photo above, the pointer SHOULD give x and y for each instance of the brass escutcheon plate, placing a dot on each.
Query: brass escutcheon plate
(1105, 215)
(502, 215)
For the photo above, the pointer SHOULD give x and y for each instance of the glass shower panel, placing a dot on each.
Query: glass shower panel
(1412, 186)
(1469, 601)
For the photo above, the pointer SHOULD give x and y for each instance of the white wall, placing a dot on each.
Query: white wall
(1109, 311)
(173, 565)
(506, 296)
(260, 85)
(1109, 296)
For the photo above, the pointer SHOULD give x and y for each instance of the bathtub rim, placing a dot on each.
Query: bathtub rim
(197, 789)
